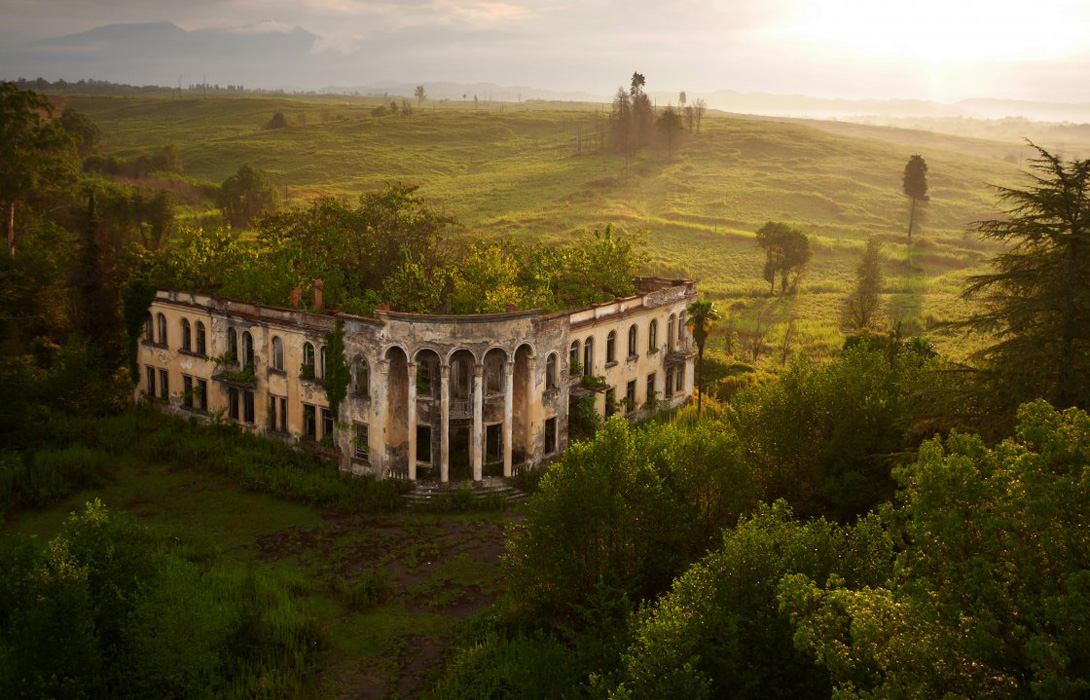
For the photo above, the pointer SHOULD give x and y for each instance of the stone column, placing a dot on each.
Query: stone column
(444, 431)
(535, 412)
(477, 439)
(508, 413)
(412, 421)
(379, 404)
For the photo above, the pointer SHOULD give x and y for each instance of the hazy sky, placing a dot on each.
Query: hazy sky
(931, 49)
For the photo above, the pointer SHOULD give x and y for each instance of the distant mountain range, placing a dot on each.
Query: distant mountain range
(276, 56)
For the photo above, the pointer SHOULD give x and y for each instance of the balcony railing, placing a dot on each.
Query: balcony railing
(460, 408)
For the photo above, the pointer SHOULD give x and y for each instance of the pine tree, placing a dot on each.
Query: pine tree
(915, 186)
(1036, 302)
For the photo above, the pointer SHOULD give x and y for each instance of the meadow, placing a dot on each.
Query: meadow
(536, 170)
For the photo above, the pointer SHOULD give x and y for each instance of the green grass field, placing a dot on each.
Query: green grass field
(518, 171)
(430, 572)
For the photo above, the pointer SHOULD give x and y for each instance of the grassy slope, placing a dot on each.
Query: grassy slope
(517, 172)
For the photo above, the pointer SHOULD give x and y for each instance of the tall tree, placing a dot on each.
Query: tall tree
(246, 195)
(787, 251)
(1036, 302)
(861, 306)
(97, 313)
(85, 132)
(702, 316)
(670, 128)
(420, 94)
(38, 156)
(915, 186)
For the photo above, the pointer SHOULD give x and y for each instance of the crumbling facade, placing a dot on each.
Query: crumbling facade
(431, 396)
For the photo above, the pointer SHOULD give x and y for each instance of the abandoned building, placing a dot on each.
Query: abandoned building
(431, 396)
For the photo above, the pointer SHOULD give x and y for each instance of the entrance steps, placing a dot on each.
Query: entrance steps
(424, 491)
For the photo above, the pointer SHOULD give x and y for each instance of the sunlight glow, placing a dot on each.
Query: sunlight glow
(939, 32)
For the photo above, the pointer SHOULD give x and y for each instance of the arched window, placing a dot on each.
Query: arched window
(308, 361)
(162, 329)
(611, 347)
(653, 336)
(573, 356)
(588, 357)
(363, 378)
(321, 362)
(670, 325)
(247, 349)
(149, 330)
(277, 353)
(232, 344)
(187, 336)
(632, 334)
(201, 345)
(681, 327)
(550, 372)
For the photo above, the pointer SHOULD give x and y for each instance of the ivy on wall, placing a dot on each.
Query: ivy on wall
(337, 372)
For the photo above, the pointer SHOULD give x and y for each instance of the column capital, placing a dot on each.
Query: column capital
(478, 370)
(510, 367)
(412, 369)
(444, 371)
(384, 366)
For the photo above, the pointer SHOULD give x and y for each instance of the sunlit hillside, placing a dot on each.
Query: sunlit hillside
(536, 169)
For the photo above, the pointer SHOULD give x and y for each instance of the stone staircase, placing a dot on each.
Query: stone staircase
(489, 487)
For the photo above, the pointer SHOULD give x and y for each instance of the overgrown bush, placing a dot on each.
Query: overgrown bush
(108, 610)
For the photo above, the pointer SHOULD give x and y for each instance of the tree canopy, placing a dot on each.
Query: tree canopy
(1036, 301)
(38, 155)
(246, 195)
(914, 184)
(988, 597)
(787, 251)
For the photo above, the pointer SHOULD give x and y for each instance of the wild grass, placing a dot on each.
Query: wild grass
(519, 172)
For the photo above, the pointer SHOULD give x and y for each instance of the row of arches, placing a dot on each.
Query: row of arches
(453, 413)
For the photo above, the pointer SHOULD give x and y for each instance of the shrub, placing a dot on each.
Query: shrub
(108, 610)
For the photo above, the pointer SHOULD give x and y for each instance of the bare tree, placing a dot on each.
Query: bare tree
(757, 338)
(789, 335)
(699, 107)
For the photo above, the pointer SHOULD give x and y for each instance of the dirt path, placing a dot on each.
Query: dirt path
(436, 572)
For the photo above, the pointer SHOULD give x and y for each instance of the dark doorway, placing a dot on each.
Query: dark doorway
(460, 468)
(493, 449)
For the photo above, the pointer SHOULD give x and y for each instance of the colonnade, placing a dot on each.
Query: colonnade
(477, 433)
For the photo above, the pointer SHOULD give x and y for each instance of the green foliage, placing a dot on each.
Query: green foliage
(787, 250)
(82, 129)
(719, 632)
(914, 184)
(826, 437)
(861, 307)
(989, 595)
(702, 315)
(45, 476)
(338, 375)
(626, 510)
(39, 157)
(255, 463)
(1036, 301)
(107, 610)
(246, 195)
(500, 665)
(136, 298)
